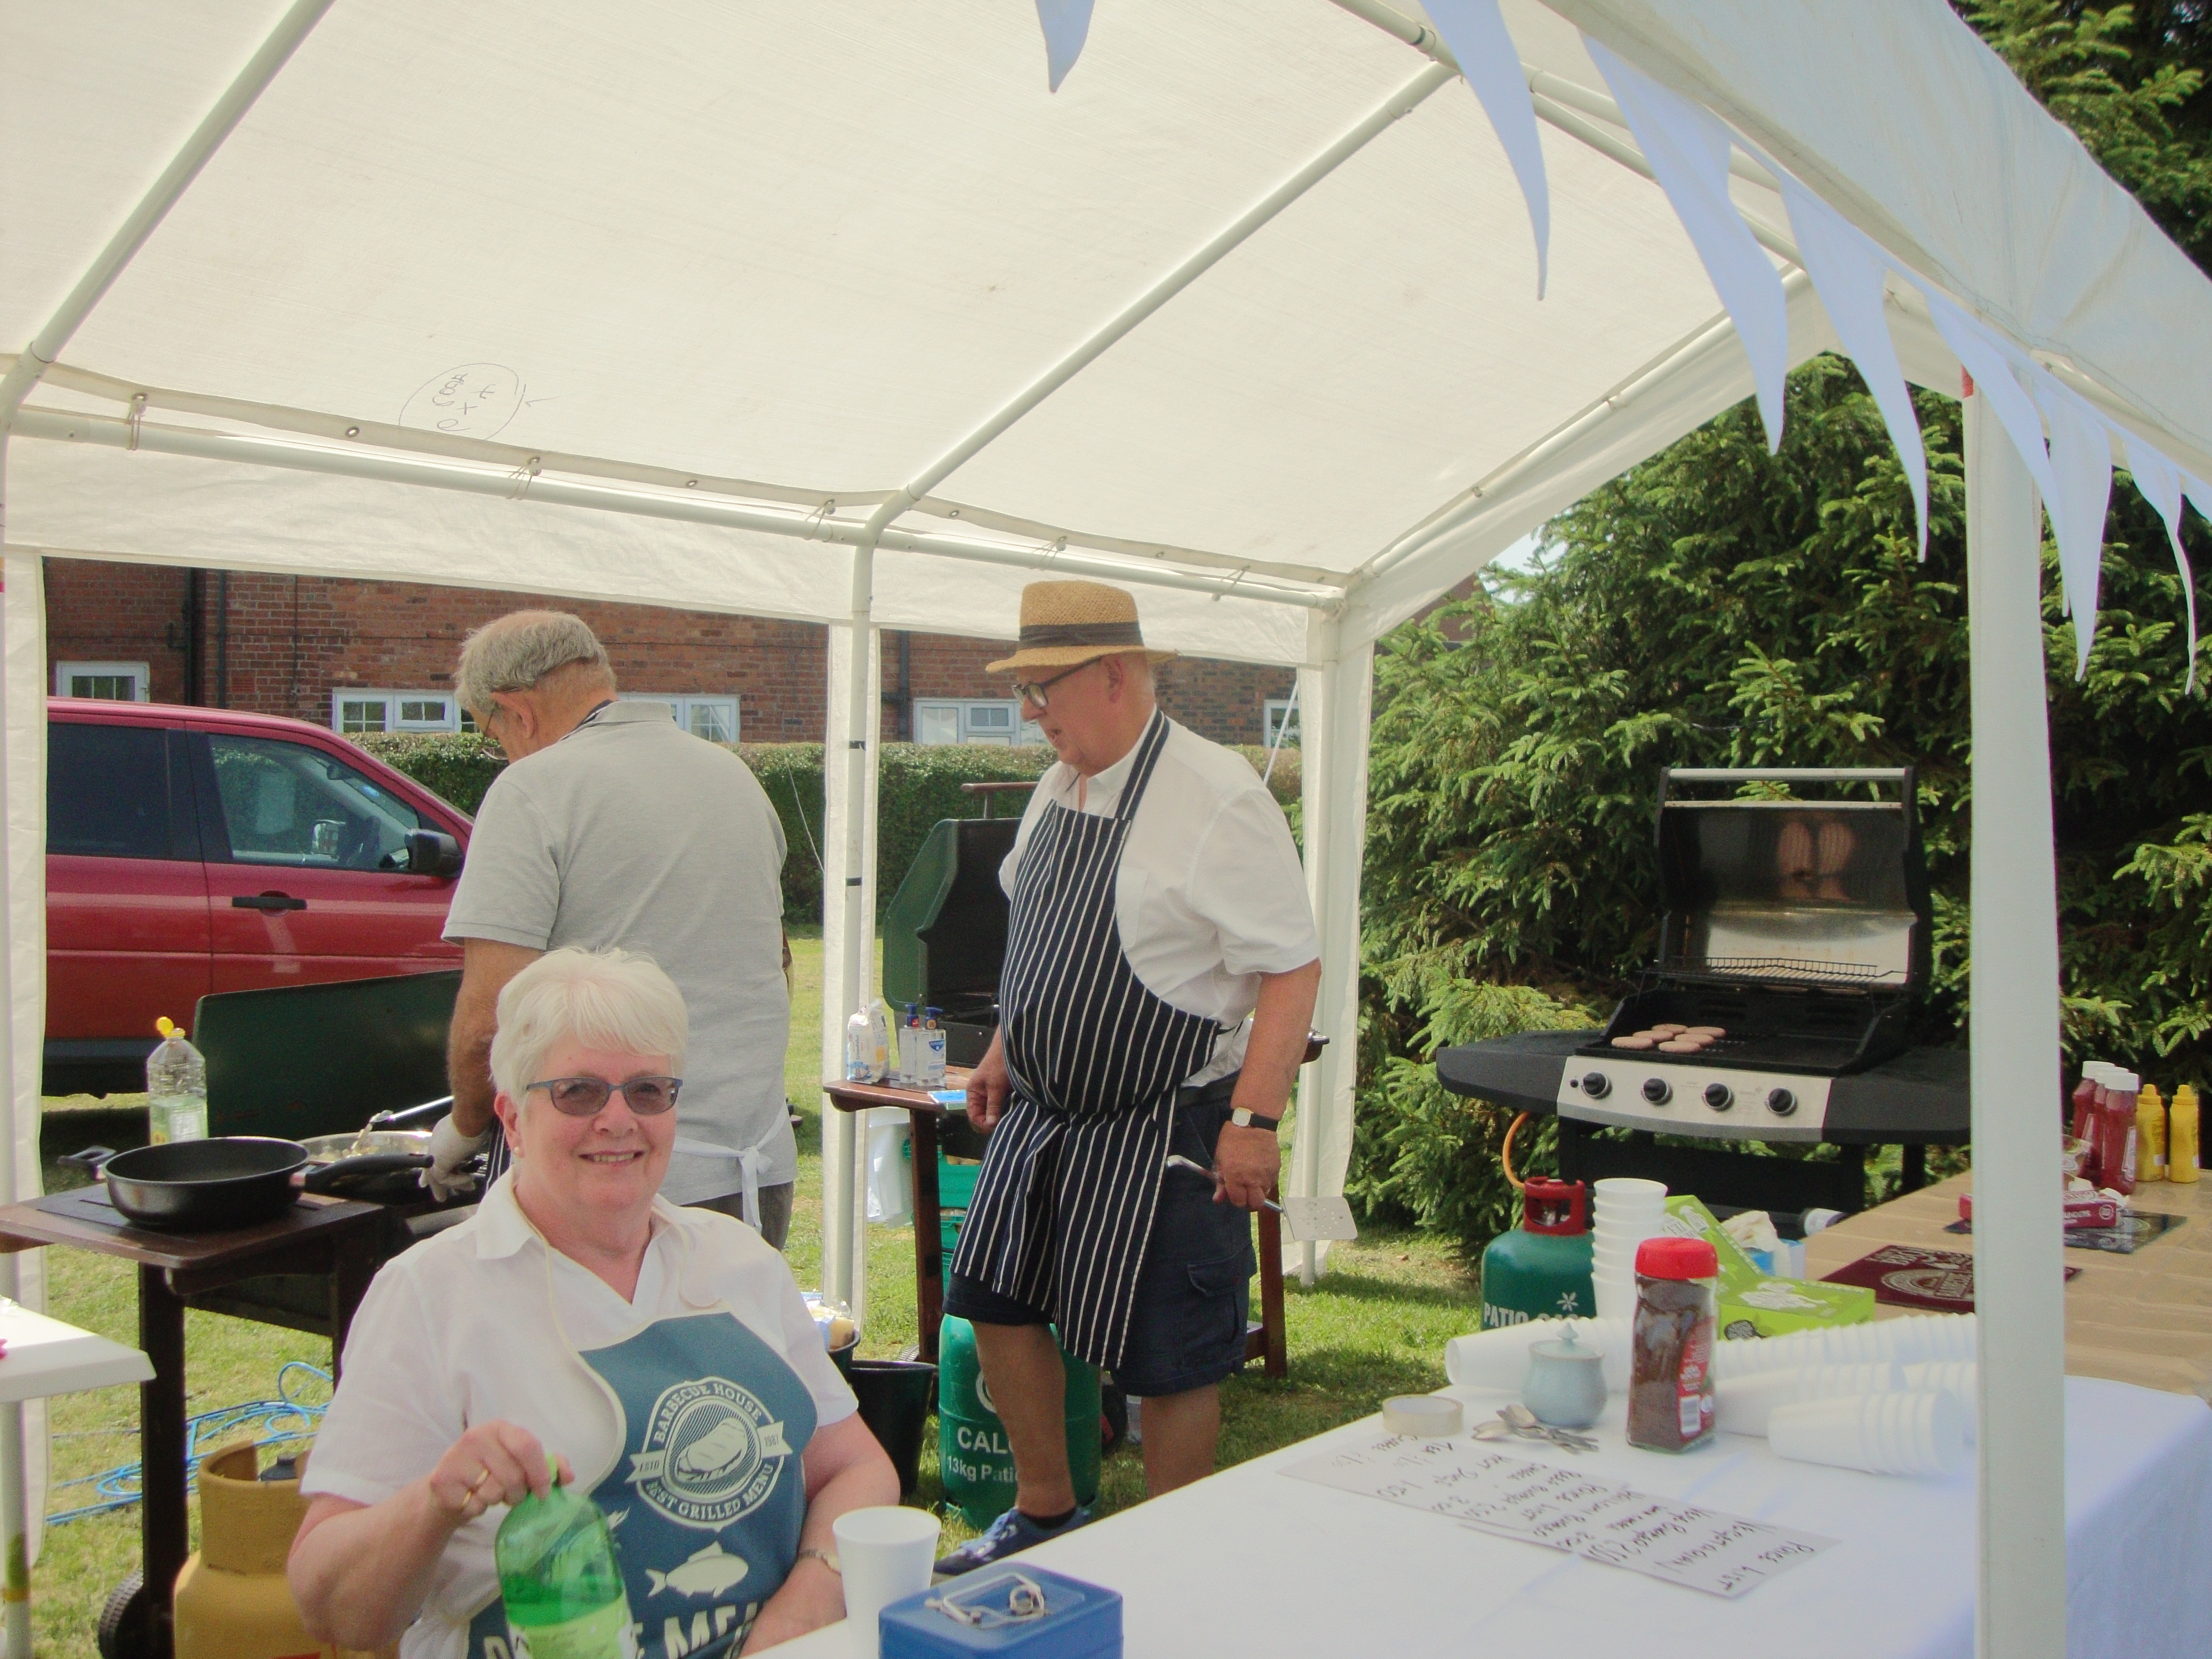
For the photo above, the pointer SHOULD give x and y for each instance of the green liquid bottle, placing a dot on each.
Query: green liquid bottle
(560, 1580)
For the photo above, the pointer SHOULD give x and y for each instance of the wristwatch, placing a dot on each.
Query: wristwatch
(1245, 1119)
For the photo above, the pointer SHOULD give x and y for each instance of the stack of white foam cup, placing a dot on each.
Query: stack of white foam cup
(1890, 1433)
(1629, 1211)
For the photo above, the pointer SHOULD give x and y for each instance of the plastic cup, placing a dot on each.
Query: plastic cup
(1628, 1187)
(885, 1554)
(1830, 1431)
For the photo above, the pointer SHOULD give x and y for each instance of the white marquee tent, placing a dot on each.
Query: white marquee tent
(834, 312)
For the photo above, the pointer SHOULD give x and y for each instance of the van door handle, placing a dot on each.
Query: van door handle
(267, 902)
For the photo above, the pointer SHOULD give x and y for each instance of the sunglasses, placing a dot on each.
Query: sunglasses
(1033, 691)
(586, 1097)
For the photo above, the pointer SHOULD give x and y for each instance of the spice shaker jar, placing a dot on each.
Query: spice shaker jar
(1670, 1377)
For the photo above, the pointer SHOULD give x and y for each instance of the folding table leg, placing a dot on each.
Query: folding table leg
(165, 1519)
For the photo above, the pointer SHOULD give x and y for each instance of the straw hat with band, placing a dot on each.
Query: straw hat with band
(1065, 624)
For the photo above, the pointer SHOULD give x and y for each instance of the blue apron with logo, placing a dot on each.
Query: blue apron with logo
(708, 1495)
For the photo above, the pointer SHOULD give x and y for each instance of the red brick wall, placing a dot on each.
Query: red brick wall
(292, 639)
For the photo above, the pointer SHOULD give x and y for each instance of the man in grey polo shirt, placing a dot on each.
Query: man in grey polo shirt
(612, 826)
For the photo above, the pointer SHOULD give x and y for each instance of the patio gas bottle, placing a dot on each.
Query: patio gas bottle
(973, 1456)
(231, 1599)
(1541, 1269)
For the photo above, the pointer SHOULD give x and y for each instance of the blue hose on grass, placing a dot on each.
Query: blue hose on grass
(270, 1422)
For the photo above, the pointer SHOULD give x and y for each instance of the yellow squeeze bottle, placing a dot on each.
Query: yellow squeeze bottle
(2181, 1141)
(2150, 1135)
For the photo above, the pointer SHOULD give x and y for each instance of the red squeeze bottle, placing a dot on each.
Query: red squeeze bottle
(2085, 1098)
(2115, 1136)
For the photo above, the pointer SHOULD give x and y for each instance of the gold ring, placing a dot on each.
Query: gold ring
(474, 1484)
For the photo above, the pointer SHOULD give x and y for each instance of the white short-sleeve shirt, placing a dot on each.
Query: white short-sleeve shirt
(1210, 894)
(483, 1321)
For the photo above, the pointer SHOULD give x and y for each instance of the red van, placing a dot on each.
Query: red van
(190, 850)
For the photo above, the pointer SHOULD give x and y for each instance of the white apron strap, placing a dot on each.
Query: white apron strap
(748, 1162)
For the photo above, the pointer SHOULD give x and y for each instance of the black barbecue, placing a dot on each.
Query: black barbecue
(1796, 921)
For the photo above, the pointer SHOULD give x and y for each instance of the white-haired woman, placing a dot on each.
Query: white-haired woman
(664, 1355)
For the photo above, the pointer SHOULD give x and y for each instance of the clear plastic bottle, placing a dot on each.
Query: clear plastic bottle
(880, 1039)
(932, 1049)
(176, 1088)
(560, 1579)
(859, 1048)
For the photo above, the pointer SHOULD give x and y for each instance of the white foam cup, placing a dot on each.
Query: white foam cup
(1830, 1431)
(885, 1555)
(1498, 1359)
(1902, 1433)
(1628, 1187)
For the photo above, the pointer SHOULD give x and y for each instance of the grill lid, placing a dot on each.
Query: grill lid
(1786, 889)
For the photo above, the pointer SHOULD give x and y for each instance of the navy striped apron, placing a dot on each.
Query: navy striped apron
(1063, 1203)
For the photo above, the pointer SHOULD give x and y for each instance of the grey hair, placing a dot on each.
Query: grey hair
(602, 999)
(513, 653)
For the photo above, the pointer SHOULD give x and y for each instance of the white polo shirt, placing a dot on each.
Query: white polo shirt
(632, 832)
(1210, 894)
(482, 1321)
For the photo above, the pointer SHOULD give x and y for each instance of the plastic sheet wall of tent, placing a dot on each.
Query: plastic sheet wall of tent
(838, 312)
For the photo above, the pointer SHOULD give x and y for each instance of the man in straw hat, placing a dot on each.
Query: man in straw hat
(1160, 971)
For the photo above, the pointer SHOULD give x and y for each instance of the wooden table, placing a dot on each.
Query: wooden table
(330, 1238)
(2144, 1318)
(1265, 1338)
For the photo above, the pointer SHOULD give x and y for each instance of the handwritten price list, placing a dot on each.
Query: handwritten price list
(1496, 1491)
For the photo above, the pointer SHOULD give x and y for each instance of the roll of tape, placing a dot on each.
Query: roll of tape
(1432, 1416)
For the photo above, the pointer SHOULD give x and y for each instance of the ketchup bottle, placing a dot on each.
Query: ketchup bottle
(2114, 1136)
(2084, 1096)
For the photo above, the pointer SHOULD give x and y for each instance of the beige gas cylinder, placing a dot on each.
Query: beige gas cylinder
(233, 1600)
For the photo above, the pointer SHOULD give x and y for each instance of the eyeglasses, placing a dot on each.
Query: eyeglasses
(586, 1097)
(1033, 691)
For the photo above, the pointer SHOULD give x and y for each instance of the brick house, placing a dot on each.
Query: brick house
(378, 656)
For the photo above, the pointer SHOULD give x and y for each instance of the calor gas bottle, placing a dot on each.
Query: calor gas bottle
(1541, 1269)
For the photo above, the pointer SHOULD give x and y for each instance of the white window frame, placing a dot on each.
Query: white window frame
(1271, 716)
(985, 732)
(340, 696)
(142, 676)
(683, 704)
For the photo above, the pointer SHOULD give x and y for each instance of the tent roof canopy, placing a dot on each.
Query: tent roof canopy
(1246, 311)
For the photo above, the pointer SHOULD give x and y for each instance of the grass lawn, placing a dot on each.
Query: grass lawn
(1374, 1326)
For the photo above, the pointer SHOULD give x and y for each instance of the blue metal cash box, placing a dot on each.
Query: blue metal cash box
(1012, 1611)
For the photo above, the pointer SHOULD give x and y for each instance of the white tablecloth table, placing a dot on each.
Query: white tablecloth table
(1252, 1562)
(46, 1357)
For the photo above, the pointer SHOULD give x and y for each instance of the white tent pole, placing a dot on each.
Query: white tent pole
(153, 207)
(109, 432)
(15, 1515)
(2019, 1248)
(1399, 104)
(1333, 789)
(1542, 83)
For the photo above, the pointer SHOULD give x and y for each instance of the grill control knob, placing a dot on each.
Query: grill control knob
(1781, 1101)
(1719, 1096)
(1658, 1091)
(1596, 1084)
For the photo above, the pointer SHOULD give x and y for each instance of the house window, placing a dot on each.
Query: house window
(111, 682)
(1280, 710)
(355, 711)
(972, 719)
(713, 718)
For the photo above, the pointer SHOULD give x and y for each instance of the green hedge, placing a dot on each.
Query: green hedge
(919, 786)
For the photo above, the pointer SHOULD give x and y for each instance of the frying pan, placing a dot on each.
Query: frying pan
(379, 1166)
(205, 1186)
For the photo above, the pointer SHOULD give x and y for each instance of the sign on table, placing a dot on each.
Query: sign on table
(1496, 1491)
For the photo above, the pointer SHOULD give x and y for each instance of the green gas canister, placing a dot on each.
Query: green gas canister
(1541, 1269)
(975, 1458)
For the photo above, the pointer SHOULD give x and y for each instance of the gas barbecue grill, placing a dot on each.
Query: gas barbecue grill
(1799, 927)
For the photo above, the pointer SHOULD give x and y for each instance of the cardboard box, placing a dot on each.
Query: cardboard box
(1752, 1303)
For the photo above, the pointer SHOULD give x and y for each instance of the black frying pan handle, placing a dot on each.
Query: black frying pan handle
(93, 1159)
(348, 1170)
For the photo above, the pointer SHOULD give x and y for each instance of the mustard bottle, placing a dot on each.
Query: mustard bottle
(2181, 1137)
(2150, 1135)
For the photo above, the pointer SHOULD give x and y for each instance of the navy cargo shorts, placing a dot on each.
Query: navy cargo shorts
(1195, 1290)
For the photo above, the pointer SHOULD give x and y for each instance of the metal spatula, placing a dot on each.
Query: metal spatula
(1308, 1219)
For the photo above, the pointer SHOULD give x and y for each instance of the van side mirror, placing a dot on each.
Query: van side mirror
(433, 853)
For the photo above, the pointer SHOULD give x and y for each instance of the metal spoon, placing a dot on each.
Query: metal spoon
(1526, 1424)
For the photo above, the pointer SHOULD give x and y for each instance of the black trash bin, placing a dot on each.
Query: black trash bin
(896, 1396)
